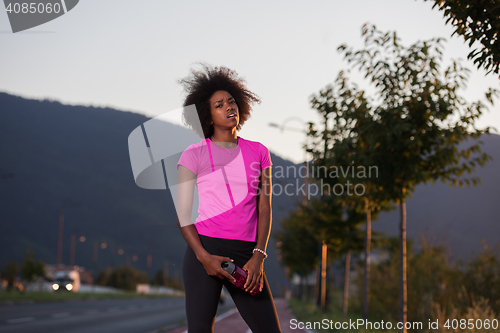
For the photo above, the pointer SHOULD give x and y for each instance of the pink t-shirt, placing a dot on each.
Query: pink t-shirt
(227, 181)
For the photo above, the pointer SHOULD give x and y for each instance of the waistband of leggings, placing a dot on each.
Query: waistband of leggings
(231, 244)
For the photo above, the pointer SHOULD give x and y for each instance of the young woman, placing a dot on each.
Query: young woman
(233, 177)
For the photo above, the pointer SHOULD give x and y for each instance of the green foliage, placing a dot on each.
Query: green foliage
(30, 268)
(385, 277)
(297, 243)
(122, 277)
(309, 314)
(9, 273)
(476, 21)
(482, 276)
(306, 227)
(159, 280)
(432, 281)
(338, 149)
(421, 117)
(480, 313)
(346, 146)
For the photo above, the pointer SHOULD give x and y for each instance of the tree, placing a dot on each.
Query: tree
(319, 220)
(350, 150)
(30, 268)
(297, 244)
(122, 277)
(353, 238)
(476, 21)
(419, 121)
(482, 275)
(9, 272)
(336, 232)
(158, 279)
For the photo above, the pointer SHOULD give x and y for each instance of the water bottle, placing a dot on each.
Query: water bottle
(239, 275)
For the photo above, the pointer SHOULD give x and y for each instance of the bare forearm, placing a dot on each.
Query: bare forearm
(192, 237)
(255, 265)
(264, 228)
(265, 211)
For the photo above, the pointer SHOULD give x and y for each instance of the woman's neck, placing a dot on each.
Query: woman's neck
(226, 137)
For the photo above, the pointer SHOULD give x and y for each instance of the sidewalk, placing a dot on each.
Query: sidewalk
(231, 321)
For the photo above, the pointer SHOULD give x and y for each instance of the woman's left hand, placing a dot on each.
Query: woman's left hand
(255, 268)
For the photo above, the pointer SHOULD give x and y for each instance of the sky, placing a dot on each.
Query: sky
(129, 55)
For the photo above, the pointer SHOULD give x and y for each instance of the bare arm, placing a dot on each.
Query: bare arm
(185, 193)
(255, 266)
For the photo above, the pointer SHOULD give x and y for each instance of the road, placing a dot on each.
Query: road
(134, 315)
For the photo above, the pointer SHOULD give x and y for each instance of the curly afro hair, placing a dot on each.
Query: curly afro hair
(200, 85)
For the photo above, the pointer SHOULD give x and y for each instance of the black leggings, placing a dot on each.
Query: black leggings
(203, 291)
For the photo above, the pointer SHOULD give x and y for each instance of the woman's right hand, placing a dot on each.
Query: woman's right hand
(212, 265)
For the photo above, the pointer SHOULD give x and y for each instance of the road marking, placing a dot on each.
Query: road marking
(20, 320)
(61, 315)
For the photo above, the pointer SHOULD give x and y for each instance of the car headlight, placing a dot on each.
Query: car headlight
(69, 286)
(55, 286)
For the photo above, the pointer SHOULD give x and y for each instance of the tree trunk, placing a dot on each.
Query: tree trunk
(60, 237)
(330, 289)
(305, 284)
(316, 286)
(367, 259)
(302, 287)
(346, 282)
(402, 271)
(323, 277)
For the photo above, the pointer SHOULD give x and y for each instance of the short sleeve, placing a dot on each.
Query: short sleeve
(190, 159)
(265, 157)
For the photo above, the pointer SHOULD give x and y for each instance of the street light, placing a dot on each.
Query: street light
(67, 204)
(282, 128)
(72, 255)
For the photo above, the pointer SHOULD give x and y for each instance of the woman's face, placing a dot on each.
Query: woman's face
(224, 110)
